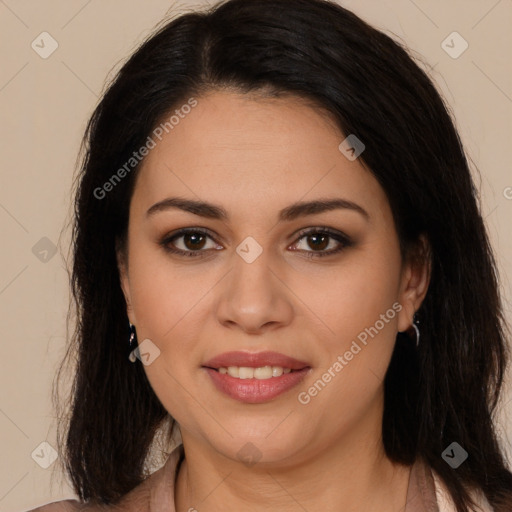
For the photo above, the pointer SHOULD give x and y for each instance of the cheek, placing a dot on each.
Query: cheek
(357, 293)
(162, 292)
(361, 308)
(166, 299)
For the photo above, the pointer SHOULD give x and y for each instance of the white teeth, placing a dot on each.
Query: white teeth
(245, 372)
(233, 371)
(277, 371)
(265, 372)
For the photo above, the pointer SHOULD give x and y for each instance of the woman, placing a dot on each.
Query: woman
(278, 249)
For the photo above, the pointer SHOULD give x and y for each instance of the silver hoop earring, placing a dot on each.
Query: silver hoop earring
(416, 328)
(133, 343)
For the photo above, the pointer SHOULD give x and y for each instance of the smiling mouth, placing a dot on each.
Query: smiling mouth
(261, 373)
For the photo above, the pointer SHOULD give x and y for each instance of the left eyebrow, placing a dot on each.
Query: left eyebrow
(300, 209)
(292, 212)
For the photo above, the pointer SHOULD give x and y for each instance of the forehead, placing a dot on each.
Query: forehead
(236, 149)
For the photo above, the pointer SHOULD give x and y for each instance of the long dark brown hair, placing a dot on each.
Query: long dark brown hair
(446, 390)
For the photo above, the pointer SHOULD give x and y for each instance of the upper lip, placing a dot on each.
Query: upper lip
(254, 360)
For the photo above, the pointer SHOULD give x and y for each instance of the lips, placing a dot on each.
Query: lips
(254, 360)
(254, 391)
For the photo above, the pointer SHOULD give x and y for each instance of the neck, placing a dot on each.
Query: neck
(351, 475)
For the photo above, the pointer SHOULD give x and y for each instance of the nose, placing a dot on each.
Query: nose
(254, 296)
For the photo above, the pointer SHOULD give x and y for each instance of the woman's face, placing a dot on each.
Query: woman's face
(257, 282)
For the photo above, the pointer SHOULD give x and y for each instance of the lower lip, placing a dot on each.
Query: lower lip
(256, 391)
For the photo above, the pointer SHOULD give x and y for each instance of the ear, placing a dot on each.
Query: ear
(414, 282)
(122, 265)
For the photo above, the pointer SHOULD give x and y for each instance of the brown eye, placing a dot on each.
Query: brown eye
(318, 240)
(188, 242)
(194, 241)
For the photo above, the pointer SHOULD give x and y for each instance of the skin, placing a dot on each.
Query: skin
(253, 157)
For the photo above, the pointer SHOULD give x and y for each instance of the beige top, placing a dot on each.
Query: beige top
(425, 493)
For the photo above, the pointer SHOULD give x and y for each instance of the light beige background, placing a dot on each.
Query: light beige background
(45, 104)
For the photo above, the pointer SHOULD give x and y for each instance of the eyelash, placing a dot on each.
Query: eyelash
(342, 239)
